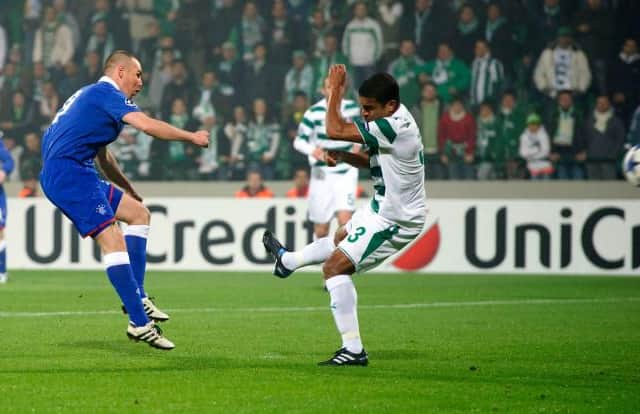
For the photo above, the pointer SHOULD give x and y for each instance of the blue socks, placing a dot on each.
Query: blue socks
(121, 277)
(3, 257)
(136, 238)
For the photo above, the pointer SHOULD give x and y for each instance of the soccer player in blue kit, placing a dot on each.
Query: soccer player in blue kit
(6, 166)
(88, 121)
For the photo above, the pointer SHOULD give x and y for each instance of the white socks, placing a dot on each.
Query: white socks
(344, 301)
(314, 253)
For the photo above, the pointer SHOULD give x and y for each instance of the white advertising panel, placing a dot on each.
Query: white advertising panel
(467, 236)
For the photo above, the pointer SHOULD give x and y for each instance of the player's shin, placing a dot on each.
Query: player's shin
(313, 253)
(136, 238)
(344, 302)
(121, 277)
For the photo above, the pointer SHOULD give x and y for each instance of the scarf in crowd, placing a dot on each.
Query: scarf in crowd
(566, 127)
(209, 155)
(251, 33)
(440, 73)
(551, 11)
(492, 26)
(628, 59)
(486, 132)
(466, 28)
(562, 68)
(602, 118)
(420, 22)
(48, 41)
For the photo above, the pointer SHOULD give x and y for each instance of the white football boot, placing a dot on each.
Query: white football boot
(151, 334)
(3, 278)
(153, 312)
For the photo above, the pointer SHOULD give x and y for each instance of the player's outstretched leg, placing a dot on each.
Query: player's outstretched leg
(344, 302)
(138, 218)
(287, 262)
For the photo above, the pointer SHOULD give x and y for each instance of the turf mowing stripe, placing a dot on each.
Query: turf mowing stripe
(4, 314)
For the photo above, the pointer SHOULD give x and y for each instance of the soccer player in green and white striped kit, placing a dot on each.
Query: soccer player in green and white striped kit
(394, 217)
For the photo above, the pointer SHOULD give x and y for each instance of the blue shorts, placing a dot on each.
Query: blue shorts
(89, 202)
(3, 208)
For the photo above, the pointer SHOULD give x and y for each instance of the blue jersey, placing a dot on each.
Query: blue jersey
(90, 119)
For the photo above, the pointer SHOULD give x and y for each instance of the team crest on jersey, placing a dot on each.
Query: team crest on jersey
(129, 102)
(101, 209)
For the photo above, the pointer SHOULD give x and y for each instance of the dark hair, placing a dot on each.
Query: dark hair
(488, 103)
(484, 42)
(457, 98)
(382, 87)
(299, 93)
(511, 92)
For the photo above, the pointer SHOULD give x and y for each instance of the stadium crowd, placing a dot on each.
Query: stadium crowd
(509, 89)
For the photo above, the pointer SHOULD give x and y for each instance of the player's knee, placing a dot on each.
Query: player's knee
(142, 215)
(146, 215)
(329, 269)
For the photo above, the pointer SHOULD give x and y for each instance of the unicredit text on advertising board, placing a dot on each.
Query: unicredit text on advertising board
(505, 236)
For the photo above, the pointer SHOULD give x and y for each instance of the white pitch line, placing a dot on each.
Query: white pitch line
(9, 314)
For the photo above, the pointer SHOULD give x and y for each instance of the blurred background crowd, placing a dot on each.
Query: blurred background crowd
(507, 89)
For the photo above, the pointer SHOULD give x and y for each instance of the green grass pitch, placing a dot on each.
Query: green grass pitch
(249, 343)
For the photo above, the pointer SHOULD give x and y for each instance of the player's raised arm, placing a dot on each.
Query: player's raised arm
(162, 130)
(338, 128)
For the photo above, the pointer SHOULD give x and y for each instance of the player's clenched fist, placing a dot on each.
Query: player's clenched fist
(337, 76)
(200, 138)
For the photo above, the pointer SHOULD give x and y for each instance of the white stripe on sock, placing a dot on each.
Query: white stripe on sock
(115, 259)
(138, 230)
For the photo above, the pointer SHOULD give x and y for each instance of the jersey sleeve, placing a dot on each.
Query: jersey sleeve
(117, 105)
(379, 133)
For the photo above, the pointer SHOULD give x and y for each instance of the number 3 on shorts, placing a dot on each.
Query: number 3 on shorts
(354, 237)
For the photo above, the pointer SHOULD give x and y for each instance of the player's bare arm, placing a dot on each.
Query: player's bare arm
(111, 170)
(356, 159)
(338, 128)
(162, 130)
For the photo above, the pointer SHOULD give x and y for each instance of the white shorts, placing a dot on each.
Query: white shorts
(331, 192)
(371, 238)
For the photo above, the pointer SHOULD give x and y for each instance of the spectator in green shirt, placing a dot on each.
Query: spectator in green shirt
(450, 75)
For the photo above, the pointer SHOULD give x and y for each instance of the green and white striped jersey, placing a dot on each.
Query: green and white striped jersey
(396, 160)
(313, 130)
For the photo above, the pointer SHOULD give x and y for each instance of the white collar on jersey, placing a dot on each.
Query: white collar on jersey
(107, 79)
